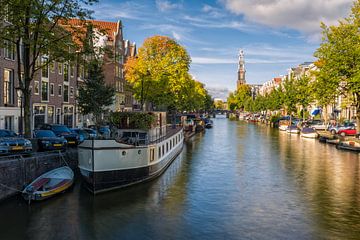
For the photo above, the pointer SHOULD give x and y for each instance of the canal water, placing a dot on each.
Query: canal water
(236, 181)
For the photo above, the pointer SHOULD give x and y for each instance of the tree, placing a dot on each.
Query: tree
(160, 72)
(340, 54)
(241, 98)
(325, 88)
(304, 93)
(33, 28)
(219, 104)
(94, 95)
(290, 97)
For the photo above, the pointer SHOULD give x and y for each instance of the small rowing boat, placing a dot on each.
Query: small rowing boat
(49, 184)
(349, 145)
(308, 133)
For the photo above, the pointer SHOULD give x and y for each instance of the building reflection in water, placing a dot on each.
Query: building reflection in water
(328, 179)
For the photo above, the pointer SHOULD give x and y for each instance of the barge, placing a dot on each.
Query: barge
(133, 157)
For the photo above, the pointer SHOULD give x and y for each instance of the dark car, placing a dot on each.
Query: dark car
(102, 131)
(63, 131)
(47, 140)
(85, 133)
(11, 143)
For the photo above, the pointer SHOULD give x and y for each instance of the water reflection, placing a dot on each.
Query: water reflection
(236, 181)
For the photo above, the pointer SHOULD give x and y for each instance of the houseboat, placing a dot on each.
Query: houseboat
(133, 156)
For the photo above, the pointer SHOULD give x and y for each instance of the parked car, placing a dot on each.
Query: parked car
(83, 135)
(47, 140)
(102, 131)
(62, 131)
(335, 129)
(317, 125)
(347, 132)
(92, 133)
(11, 143)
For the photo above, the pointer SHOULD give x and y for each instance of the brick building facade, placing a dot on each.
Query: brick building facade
(54, 87)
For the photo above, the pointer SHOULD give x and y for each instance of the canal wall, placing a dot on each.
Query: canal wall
(16, 171)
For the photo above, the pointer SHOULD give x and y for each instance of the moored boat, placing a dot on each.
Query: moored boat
(334, 141)
(135, 156)
(283, 125)
(49, 184)
(208, 123)
(308, 133)
(349, 145)
(293, 130)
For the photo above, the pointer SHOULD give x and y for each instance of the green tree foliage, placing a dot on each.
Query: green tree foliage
(305, 93)
(339, 54)
(94, 96)
(160, 75)
(33, 28)
(219, 104)
(240, 99)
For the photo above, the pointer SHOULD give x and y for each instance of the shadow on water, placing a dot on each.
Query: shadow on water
(236, 181)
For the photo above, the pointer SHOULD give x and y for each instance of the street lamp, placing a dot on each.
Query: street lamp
(19, 93)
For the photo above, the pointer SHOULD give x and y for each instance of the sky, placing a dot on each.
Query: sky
(274, 34)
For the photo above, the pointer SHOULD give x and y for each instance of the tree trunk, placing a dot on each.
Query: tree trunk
(326, 115)
(358, 118)
(27, 113)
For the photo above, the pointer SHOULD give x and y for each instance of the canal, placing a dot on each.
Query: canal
(236, 181)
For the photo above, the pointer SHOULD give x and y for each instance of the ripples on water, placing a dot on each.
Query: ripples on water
(236, 181)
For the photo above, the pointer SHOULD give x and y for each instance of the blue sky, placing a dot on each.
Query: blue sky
(274, 34)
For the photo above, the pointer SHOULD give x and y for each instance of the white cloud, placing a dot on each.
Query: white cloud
(218, 92)
(128, 10)
(212, 11)
(207, 60)
(164, 5)
(302, 15)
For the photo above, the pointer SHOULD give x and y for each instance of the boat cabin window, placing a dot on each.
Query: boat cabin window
(163, 150)
(152, 154)
(159, 153)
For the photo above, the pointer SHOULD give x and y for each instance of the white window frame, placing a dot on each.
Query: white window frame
(38, 87)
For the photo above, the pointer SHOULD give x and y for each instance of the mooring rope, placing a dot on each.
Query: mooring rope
(63, 158)
(11, 188)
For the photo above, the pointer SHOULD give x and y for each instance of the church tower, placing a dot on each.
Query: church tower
(241, 70)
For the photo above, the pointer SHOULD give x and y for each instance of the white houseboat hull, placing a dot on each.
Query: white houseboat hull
(309, 135)
(107, 164)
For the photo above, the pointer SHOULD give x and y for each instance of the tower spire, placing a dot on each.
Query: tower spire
(241, 69)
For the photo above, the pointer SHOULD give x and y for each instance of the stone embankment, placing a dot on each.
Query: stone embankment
(18, 171)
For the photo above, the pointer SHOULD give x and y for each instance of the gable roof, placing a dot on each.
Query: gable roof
(110, 28)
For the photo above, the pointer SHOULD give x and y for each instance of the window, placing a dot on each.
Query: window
(66, 72)
(72, 70)
(159, 153)
(9, 50)
(50, 114)
(44, 68)
(152, 154)
(9, 123)
(9, 90)
(52, 67)
(163, 150)
(60, 90)
(71, 92)
(58, 116)
(167, 146)
(66, 93)
(51, 89)
(60, 68)
(44, 91)
(36, 88)
(117, 71)
(39, 115)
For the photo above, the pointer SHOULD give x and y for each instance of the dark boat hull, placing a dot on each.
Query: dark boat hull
(103, 181)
